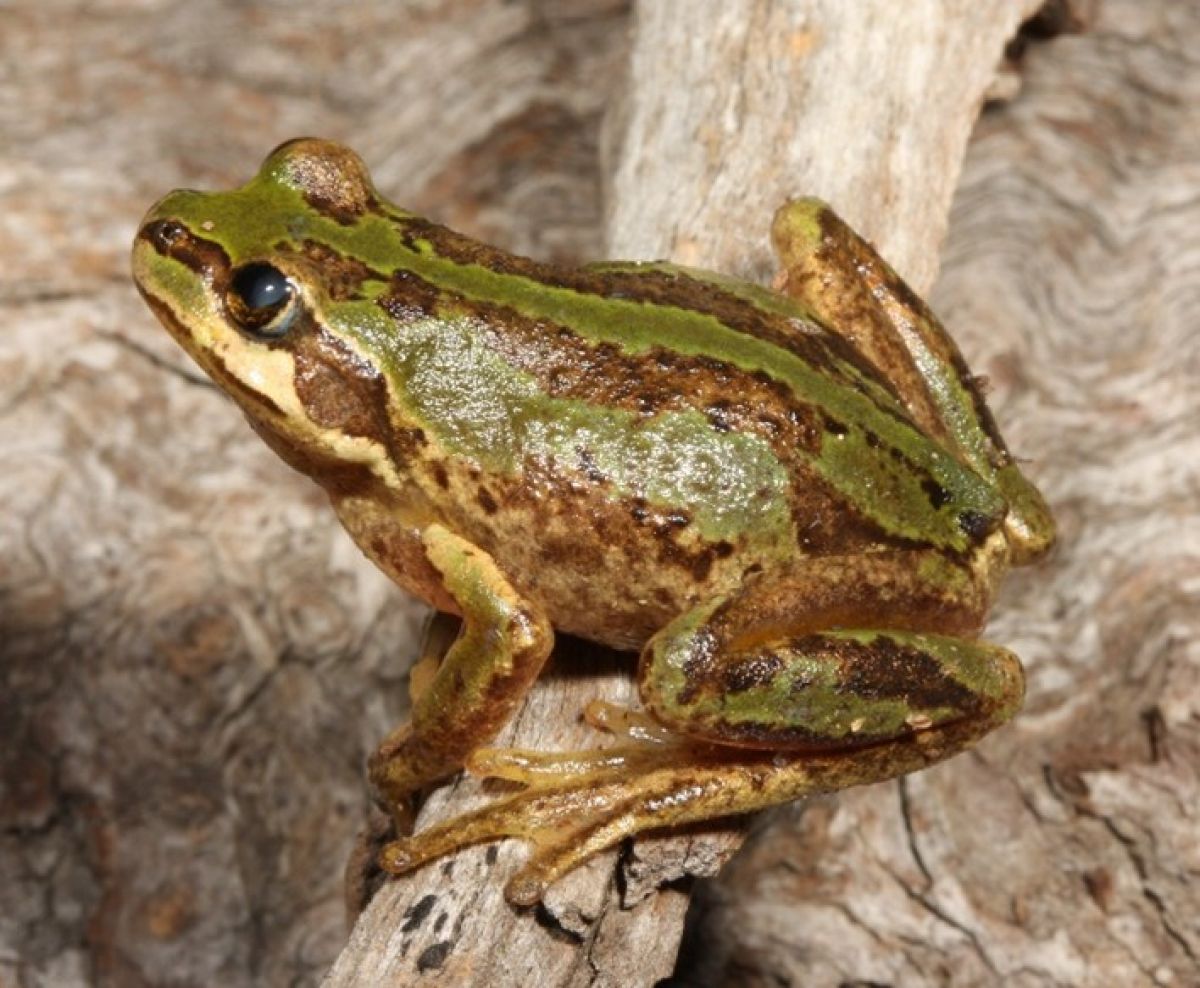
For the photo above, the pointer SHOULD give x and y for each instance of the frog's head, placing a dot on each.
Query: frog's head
(269, 287)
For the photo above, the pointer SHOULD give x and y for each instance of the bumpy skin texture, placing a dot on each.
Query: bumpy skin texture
(796, 505)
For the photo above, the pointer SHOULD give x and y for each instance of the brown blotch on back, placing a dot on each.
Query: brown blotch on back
(410, 297)
(486, 501)
(407, 442)
(696, 560)
(341, 276)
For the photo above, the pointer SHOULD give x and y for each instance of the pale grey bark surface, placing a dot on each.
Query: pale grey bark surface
(736, 106)
(194, 660)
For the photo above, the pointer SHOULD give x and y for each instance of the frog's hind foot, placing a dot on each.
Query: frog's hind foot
(576, 804)
(645, 745)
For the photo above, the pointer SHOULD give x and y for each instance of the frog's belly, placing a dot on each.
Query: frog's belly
(609, 571)
(618, 594)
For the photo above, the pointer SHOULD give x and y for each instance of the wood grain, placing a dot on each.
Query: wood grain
(736, 106)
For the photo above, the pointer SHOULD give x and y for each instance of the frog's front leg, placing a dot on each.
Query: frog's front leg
(760, 713)
(485, 672)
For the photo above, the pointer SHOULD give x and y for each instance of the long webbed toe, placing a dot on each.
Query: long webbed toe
(576, 804)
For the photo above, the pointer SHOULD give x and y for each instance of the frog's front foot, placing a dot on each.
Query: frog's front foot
(576, 804)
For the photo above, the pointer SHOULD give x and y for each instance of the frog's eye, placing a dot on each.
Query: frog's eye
(261, 300)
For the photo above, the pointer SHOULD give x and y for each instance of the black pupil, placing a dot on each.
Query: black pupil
(261, 287)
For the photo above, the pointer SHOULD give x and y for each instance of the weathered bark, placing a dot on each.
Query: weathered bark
(194, 660)
(734, 107)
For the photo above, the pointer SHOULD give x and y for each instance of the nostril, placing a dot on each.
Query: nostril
(164, 234)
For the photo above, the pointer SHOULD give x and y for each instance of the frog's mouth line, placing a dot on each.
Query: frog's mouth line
(212, 364)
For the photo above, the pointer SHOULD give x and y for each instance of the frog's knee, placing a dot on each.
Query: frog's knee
(670, 667)
(798, 228)
(1029, 527)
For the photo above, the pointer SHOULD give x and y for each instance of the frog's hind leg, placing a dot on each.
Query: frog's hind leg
(826, 691)
(749, 705)
(763, 724)
(841, 278)
(571, 812)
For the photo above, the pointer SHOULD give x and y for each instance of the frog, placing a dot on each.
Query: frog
(790, 501)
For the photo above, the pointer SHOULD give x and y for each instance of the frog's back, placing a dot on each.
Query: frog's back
(656, 429)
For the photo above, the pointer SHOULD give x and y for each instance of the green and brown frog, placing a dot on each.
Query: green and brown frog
(794, 504)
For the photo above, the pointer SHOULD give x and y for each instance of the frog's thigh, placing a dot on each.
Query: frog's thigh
(839, 652)
(504, 642)
(828, 690)
(841, 278)
(836, 274)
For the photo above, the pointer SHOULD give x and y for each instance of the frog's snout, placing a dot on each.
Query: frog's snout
(162, 233)
(169, 208)
(161, 230)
